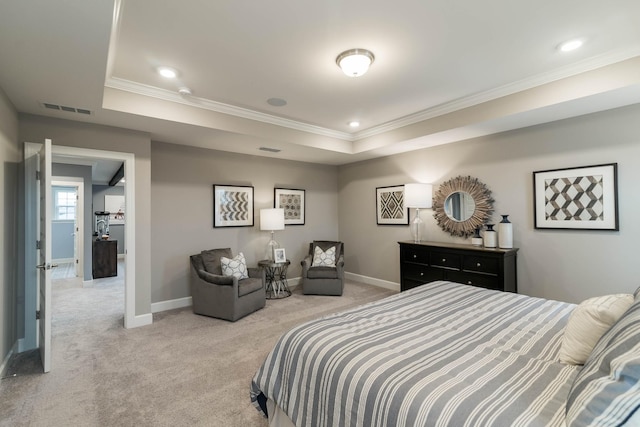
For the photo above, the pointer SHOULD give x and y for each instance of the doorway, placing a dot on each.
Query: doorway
(67, 228)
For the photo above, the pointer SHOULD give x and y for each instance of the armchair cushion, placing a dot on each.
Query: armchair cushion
(236, 266)
(215, 279)
(323, 273)
(246, 286)
(211, 259)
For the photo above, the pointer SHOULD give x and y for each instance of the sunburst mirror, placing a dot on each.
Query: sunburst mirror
(461, 205)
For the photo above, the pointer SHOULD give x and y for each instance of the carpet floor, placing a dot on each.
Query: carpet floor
(184, 369)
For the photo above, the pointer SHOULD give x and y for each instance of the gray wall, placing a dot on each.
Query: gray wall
(84, 172)
(83, 135)
(182, 181)
(10, 306)
(116, 231)
(567, 265)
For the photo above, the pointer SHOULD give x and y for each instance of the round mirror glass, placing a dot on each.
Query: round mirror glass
(459, 206)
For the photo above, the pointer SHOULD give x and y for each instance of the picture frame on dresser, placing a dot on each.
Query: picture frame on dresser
(232, 206)
(578, 198)
(292, 201)
(390, 207)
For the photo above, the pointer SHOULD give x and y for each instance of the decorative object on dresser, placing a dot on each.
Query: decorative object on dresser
(418, 196)
(490, 238)
(583, 198)
(293, 202)
(505, 233)
(476, 240)
(232, 206)
(425, 262)
(390, 206)
(271, 220)
(461, 205)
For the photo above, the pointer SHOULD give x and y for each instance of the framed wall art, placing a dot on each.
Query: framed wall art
(293, 203)
(581, 198)
(279, 255)
(232, 206)
(390, 209)
(114, 204)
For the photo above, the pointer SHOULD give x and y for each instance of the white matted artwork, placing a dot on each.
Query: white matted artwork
(279, 255)
(115, 206)
(232, 206)
(292, 202)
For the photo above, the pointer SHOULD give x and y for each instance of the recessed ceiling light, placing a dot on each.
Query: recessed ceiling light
(277, 102)
(167, 72)
(570, 45)
(354, 123)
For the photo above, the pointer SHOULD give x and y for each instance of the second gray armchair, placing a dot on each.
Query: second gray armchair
(325, 277)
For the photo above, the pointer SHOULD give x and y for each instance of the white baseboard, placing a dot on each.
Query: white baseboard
(140, 320)
(373, 281)
(5, 361)
(171, 304)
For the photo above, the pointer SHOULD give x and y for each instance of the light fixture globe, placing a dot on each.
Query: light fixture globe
(355, 62)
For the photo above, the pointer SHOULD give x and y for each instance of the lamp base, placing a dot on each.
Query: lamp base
(270, 248)
(416, 226)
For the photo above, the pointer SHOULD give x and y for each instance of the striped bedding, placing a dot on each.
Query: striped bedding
(442, 354)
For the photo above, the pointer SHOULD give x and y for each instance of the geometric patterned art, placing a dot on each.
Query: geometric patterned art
(390, 209)
(392, 205)
(234, 206)
(577, 198)
(292, 205)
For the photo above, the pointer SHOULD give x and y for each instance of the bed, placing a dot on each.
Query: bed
(442, 354)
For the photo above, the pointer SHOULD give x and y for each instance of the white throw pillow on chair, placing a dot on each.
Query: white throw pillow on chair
(236, 266)
(324, 258)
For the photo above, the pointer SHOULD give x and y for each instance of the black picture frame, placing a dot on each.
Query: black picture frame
(577, 198)
(390, 208)
(293, 202)
(232, 206)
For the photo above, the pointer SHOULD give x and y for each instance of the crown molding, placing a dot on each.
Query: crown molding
(219, 107)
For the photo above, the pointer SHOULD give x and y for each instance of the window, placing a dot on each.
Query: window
(64, 202)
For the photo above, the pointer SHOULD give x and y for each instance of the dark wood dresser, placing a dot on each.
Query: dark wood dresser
(425, 262)
(105, 258)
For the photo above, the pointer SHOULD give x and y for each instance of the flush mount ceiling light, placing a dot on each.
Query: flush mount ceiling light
(570, 45)
(354, 123)
(167, 72)
(355, 62)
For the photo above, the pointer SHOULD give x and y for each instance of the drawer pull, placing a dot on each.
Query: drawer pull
(421, 274)
(478, 264)
(444, 260)
(415, 256)
(469, 282)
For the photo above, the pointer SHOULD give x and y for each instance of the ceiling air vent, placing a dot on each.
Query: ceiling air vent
(271, 150)
(65, 108)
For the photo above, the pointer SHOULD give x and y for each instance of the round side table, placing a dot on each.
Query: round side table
(276, 275)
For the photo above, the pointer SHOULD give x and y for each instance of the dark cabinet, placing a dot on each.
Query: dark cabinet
(105, 258)
(425, 262)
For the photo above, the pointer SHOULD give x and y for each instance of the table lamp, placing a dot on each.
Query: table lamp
(418, 196)
(271, 220)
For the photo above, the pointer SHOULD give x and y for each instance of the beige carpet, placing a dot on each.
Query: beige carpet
(183, 369)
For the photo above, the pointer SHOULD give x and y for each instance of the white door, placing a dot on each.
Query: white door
(44, 257)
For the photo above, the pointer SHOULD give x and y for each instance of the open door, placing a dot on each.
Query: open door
(44, 256)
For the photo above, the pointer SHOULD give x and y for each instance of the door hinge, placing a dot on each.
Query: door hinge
(37, 175)
(76, 261)
(37, 314)
(38, 244)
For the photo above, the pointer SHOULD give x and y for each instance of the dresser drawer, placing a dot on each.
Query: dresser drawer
(480, 280)
(421, 273)
(481, 264)
(415, 254)
(445, 260)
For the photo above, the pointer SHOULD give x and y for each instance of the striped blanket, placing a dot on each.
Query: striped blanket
(442, 354)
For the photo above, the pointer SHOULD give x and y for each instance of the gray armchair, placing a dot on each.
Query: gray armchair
(319, 280)
(224, 297)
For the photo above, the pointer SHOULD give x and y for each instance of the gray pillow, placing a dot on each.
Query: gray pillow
(607, 390)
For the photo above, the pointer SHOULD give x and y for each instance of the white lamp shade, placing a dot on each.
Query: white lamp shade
(418, 195)
(271, 219)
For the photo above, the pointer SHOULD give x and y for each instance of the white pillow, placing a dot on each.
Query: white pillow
(324, 258)
(588, 322)
(236, 266)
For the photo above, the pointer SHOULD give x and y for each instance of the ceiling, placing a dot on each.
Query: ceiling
(444, 71)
